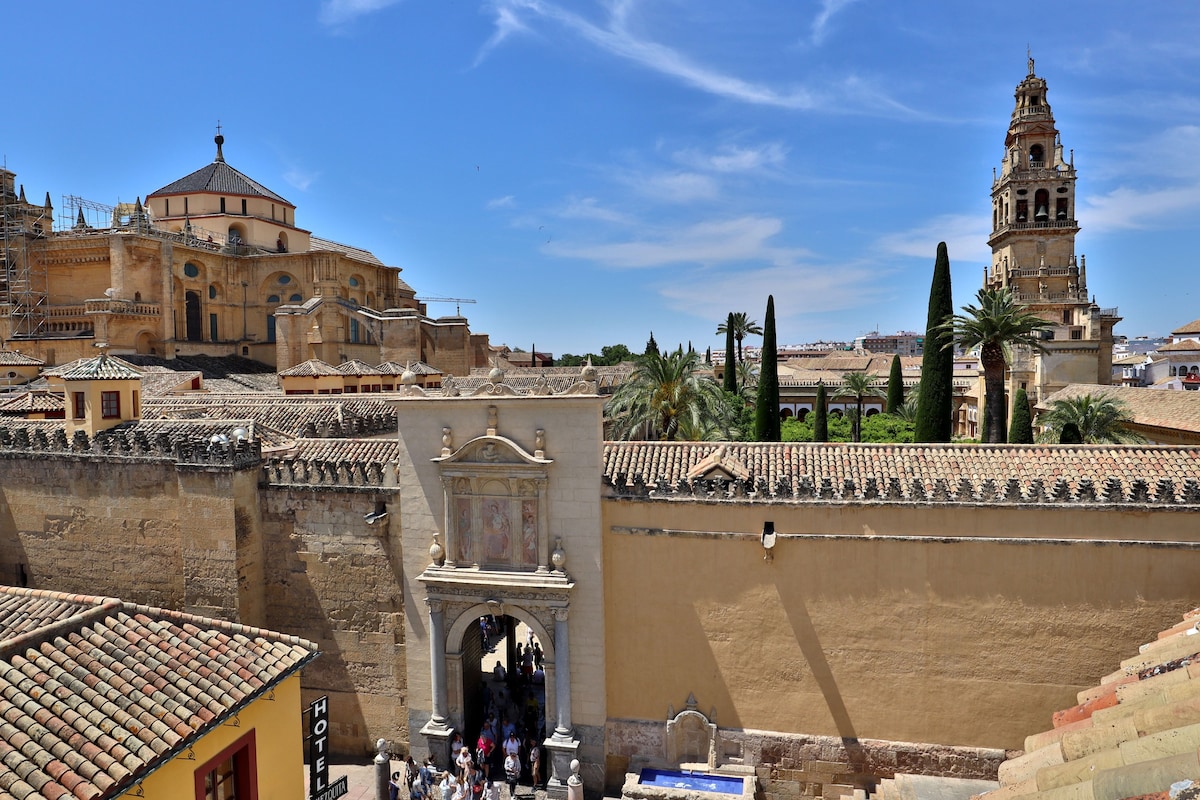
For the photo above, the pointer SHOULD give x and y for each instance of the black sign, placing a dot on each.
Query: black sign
(318, 752)
(338, 789)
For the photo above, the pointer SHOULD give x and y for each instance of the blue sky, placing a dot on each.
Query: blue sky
(591, 171)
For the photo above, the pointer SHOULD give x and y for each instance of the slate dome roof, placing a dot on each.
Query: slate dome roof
(219, 178)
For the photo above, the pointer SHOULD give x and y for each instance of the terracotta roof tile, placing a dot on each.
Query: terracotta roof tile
(310, 368)
(94, 692)
(1158, 408)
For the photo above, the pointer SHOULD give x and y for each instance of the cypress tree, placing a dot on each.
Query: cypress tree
(766, 406)
(708, 356)
(730, 382)
(651, 345)
(895, 396)
(1070, 434)
(1021, 429)
(820, 418)
(936, 400)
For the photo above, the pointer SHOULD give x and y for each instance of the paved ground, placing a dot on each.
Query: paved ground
(361, 781)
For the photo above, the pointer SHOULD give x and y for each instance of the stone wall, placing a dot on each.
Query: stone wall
(332, 578)
(936, 623)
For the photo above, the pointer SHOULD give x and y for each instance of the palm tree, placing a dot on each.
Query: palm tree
(996, 325)
(741, 326)
(667, 397)
(856, 385)
(1099, 418)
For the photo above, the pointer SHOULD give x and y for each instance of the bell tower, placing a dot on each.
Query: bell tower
(1033, 250)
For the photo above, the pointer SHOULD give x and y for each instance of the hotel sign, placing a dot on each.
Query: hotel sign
(319, 787)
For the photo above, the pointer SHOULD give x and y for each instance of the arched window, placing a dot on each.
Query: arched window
(1037, 156)
(273, 298)
(191, 270)
(296, 298)
(1041, 206)
(212, 292)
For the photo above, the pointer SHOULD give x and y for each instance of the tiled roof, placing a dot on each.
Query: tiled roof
(1159, 408)
(353, 252)
(34, 402)
(310, 368)
(356, 367)
(78, 363)
(1133, 735)
(363, 451)
(96, 693)
(1191, 327)
(969, 473)
(11, 358)
(278, 421)
(1182, 346)
(1136, 358)
(101, 368)
(417, 368)
(219, 178)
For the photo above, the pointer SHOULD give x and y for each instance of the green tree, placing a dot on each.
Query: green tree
(667, 396)
(820, 415)
(895, 392)
(996, 325)
(856, 385)
(708, 356)
(730, 382)
(937, 362)
(766, 407)
(741, 326)
(1097, 418)
(651, 345)
(1020, 430)
(1070, 434)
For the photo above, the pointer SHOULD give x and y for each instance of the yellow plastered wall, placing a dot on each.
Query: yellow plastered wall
(279, 744)
(869, 623)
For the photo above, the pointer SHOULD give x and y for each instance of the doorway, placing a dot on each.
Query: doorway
(191, 303)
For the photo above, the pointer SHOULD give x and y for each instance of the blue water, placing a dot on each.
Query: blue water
(700, 782)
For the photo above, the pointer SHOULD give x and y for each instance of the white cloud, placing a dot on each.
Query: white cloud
(965, 236)
(507, 201)
(799, 289)
(588, 208)
(675, 187)
(340, 12)
(616, 39)
(716, 241)
(1125, 208)
(301, 179)
(820, 26)
(734, 158)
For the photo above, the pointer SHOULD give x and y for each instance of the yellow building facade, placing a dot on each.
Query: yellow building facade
(213, 263)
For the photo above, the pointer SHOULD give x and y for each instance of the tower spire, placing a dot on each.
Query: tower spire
(220, 140)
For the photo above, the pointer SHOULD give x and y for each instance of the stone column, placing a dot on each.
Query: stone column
(562, 745)
(437, 732)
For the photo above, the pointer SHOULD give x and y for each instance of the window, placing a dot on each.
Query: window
(212, 328)
(284, 280)
(354, 331)
(243, 208)
(185, 206)
(79, 405)
(274, 298)
(354, 281)
(222, 205)
(167, 207)
(1077, 333)
(110, 405)
(270, 327)
(296, 298)
(137, 404)
(191, 270)
(212, 293)
(1066, 316)
(232, 774)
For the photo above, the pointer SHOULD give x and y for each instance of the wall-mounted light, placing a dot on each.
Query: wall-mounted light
(768, 541)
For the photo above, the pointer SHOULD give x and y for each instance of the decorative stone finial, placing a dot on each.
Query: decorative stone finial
(496, 375)
(437, 553)
(539, 443)
(408, 377)
(588, 373)
(558, 558)
(447, 441)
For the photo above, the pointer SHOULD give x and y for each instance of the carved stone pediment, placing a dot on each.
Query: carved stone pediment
(484, 450)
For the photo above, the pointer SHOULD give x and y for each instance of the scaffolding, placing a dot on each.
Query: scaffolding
(23, 278)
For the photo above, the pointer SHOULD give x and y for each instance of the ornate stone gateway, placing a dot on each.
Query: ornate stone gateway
(497, 560)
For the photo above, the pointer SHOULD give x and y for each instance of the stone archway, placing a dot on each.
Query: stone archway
(463, 656)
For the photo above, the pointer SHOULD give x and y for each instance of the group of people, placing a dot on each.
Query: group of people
(508, 748)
